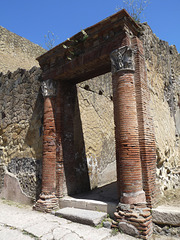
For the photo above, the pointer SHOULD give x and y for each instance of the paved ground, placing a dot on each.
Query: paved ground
(18, 222)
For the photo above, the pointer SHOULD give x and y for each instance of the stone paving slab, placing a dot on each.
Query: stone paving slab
(92, 218)
(88, 204)
(8, 233)
(21, 223)
(168, 215)
(21, 219)
(41, 228)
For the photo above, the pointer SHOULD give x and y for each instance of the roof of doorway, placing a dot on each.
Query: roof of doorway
(86, 54)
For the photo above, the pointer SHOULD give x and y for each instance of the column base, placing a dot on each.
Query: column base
(46, 203)
(133, 198)
(134, 220)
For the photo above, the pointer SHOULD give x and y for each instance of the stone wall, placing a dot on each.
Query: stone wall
(163, 69)
(20, 118)
(21, 128)
(17, 52)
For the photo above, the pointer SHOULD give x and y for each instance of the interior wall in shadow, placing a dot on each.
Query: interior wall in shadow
(73, 147)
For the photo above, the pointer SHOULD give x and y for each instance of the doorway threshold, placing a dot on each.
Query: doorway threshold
(102, 199)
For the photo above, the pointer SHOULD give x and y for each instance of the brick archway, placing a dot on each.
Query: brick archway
(112, 45)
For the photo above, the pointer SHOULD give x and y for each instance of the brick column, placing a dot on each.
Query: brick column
(145, 124)
(129, 172)
(126, 127)
(60, 181)
(47, 200)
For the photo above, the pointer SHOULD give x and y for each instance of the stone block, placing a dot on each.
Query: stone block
(87, 217)
(166, 215)
(12, 190)
(128, 229)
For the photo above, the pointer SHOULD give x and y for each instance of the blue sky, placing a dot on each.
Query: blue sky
(33, 19)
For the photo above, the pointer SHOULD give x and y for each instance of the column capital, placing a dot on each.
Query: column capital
(48, 88)
(122, 59)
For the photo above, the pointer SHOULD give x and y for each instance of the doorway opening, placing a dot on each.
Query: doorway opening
(94, 160)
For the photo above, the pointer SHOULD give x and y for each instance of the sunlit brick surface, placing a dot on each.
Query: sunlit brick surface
(126, 132)
(145, 123)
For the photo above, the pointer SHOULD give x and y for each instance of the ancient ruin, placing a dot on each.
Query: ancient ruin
(72, 138)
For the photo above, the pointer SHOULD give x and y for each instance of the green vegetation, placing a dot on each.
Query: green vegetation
(106, 219)
(73, 48)
(114, 231)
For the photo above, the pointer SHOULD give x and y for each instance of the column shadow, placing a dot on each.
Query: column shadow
(75, 162)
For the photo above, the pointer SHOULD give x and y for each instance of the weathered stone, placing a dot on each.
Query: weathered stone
(166, 215)
(21, 128)
(88, 217)
(59, 234)
(145, 214)
(122, 58)
(163, 73)
(128, 228)
(12, 190)
(107, 224)
(17, 52)
(124, 207)
(48, 88)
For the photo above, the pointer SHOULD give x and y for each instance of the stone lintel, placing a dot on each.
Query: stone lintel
(86, 54)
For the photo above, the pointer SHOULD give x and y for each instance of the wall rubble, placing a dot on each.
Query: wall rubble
(21, 127)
